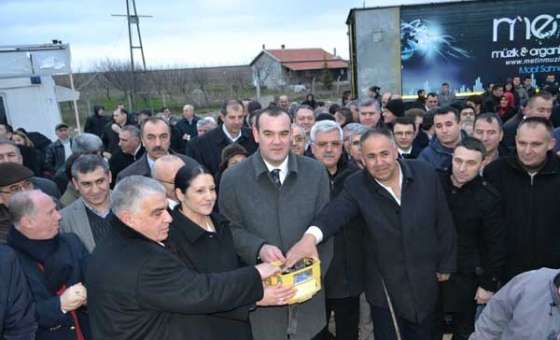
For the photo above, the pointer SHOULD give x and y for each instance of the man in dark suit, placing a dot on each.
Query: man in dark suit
(409, 236)
(404, 131)
(131, 150)
(273, 196)
(207, 149)
(139, 289)
(156, 138)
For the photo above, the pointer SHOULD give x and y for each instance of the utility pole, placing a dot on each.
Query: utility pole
(136, 43)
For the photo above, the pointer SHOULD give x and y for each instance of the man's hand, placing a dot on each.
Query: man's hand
(73, 297)
(266, 270)
(442, 277)
(276, 295)
(482, 296)
(270, 253)
(303, 248)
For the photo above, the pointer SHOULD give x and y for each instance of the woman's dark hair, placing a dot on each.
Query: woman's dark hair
(97, 108)
(347, 114)
(186, 175)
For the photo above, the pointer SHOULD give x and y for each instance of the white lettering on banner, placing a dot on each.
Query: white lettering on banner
(542, 52)
(541, 27)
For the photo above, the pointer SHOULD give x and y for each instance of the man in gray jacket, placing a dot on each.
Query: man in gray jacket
(274, 195)
(527, 308)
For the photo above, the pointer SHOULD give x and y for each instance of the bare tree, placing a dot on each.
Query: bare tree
(237, 81)
(120, 76)
(201, 78)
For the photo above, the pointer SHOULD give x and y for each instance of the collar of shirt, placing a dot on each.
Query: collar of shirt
(171, 204)
(226, 132)
(95, 211)
(401, 151)
(150, 162)
(283, 167)
(137, 149)
(390, 191)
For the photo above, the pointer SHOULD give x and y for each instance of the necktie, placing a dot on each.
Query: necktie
(275, 174)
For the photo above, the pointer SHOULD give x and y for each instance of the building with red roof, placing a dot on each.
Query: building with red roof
(276, 68)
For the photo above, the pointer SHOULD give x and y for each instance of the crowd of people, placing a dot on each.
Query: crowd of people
(429, 216)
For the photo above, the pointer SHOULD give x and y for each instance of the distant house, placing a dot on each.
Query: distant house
(274, 68)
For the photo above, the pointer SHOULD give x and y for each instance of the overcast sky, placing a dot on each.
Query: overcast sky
(181, 32)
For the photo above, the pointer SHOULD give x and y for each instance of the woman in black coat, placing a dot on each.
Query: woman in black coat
(202, 239)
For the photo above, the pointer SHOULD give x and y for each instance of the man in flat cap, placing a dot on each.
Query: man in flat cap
(14, 178)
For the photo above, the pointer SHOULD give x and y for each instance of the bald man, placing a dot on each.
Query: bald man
(164, 170)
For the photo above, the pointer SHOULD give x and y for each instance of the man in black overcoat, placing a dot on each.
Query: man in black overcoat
(139, 289)
(409, 236)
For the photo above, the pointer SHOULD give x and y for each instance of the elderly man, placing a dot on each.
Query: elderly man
(156, 138)
(299, 140)
(205, 125)
(370, 113)
(139, 289)
(352, 134)
(164, 171)
(187, 125)
(344, 279)
(14, 178)
(274, 195)
(59, 151)
(131, 150)
(447, 136)
(87, 216)
(9, 152)
(17, 310)
(54, 265)
(207, 149)
(529, 182)
(408, 247)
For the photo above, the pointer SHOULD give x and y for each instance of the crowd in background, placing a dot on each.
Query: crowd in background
(245, 187)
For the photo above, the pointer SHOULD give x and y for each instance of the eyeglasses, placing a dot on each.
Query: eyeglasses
(18, 187)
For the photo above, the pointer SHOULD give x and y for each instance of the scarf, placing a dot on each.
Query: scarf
(52, 255)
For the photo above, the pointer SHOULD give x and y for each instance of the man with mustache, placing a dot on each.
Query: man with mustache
(156, 138)
(344, 279)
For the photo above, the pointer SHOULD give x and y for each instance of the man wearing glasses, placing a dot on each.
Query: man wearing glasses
(404, 131)
(13, 178)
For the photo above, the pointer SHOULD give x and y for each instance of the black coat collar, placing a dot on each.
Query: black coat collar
(551, 166)
(125, 231)
(191, 230)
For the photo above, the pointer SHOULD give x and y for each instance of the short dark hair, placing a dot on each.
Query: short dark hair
(153, 120)
(376, 131)
(231, 103)
(186, 174)
(405, 121)
(497, 86)
(533, 121)
(543, 95)
(419, 92)
(346, 113)
(475, 98)
(489, 117)
(273, 111)
(88, 163)
(445, 110)
(445, 84)
(473, 144)
(432, 94)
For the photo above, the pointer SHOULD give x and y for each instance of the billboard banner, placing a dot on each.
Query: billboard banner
(471, 44)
